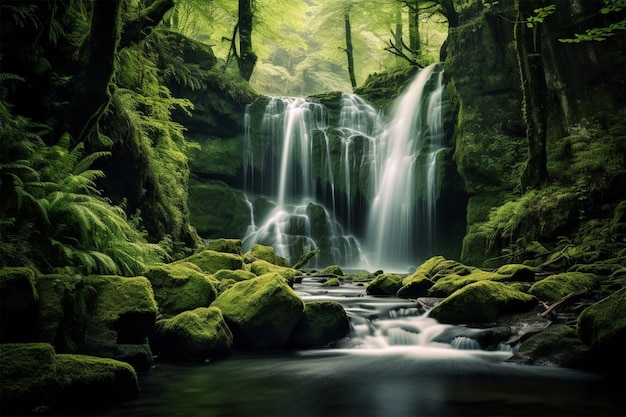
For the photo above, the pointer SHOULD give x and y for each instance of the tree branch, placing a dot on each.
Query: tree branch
(137, 29)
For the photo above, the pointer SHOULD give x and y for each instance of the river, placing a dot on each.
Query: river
(396, 362)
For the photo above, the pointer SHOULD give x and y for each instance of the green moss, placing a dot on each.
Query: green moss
(321, 324)
(261, 267)
(518, 272)
(331, 270)
(333, 282)
(556, 345)
(179, 287)
(236, 275)
(54, 295)
(261, 312)
(555, 287)
(482, 302)
(429, 268)
(211, 261)
(603, 325)
(226, 245)
(450, 283)
(415, 285)
(17, 289)
(267, 253)
(84, 380)
(28, 374)
(384, 284)
(196, 335)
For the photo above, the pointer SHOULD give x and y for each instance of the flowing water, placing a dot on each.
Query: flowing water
(396, 362)
(396, 164)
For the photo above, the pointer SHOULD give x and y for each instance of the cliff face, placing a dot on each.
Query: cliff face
(583, 103)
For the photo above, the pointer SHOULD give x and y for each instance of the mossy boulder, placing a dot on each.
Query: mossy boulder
(333, 282)
(449, 284)
(603, 327)
(180, 287)
(18, 304)
(557, 286)
(385, 284)
(482, 302)
(234, 275)
(415, 285)
(211, 261)
(54, 293)
(226, 245)
(518, 272)
(262, 267)
(557, 345)
(261, 312)
(195, 335)
(140, 357)
(119, 310)
(33, 375)
(321, 324)
(267, 253)
(331, 270)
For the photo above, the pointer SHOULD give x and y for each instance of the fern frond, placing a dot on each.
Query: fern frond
(85, 163)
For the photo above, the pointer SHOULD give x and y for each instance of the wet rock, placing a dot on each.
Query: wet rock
(321, 324)
(557, 345)
(261, 267)
(555, 287)
(385, 284)
(180, 287)
(211, 261)
(482, 302)
(226, 245)
(194, 335)
(518, 272)
(261, 312)
(415, 285)
(267, 253)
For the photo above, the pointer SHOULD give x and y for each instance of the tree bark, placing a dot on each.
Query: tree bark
(247, 58)
(140, 27)
(414, 27)
(534, 90)
(349, 50)
(96, 65)
(398, 32)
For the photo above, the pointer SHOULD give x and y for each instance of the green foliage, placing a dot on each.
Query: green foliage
(52, 212)
(602, 33)
(540, 15)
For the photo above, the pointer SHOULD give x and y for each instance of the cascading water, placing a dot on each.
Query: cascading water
(314, 181)
(397, 222)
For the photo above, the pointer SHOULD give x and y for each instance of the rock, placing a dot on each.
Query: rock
(261, 312)
(137, 356)
(555, 287)
(18, 307)
(322, 323)
(211, 261)
(482, 302)
(226, 245)
(267, 253)
(195, 336)
(120, 310)
(603, 327)
(180, 287)
(331, 270)
(33, 376)
(448, 285)
(557, 345)
(333, 282)
(518, 272)
(236, 275)
(54, 292)
(384, 284)
(262, 267)
(415, 285)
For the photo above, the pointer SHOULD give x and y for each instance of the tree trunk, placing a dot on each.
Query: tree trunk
(96, 65)
(137, 29)
(534, 90)
(414, 27)
(349, 50)
(398, 32)
(247, 57)
(449, 12)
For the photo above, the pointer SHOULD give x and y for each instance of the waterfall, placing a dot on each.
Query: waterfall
(314, 172)
(413, 135)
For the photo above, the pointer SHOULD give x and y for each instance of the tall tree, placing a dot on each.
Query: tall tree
(349, 49)
(247, 58)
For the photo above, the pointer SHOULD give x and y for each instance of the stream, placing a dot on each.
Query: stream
(396, 362)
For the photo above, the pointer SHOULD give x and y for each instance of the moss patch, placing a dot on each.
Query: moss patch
(321, 324)
(385, 284)
(555, 287)
(211, 261)
(267, 253)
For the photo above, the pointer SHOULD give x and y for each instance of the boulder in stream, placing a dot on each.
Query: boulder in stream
(321, 324)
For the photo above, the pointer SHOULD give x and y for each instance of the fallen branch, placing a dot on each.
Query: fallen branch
(568, 297)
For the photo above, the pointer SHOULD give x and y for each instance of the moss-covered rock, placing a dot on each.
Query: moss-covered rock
(180, 287)
(138, 356)
(261, 267)
(449, 284)
(555, 287)
(603, 327)
(195, 335)
(415, 285)
(384, 284)
(557, 345)
(482, 302)
(331, 270)
(518, 272)
(267, 253)
(54, 293)
(261, 312)
(211, 261)
(18, 307)
(234, 275)
(33, 375)
(120, 310)
(333, 282)
(226, 245)
(322, 323)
